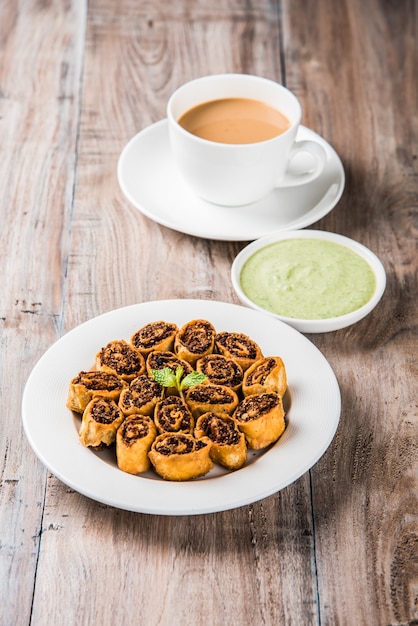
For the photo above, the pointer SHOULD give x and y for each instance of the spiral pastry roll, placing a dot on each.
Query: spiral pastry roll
(87, 385)
(220, 370)
(194, 340)
(154, 336)
(172, 415)
(160, 360)
(133, 442)
(122, 359)
(261, 418)
(101, 420)
(141, 396)
(228, 447)
(238, 347)
(179, 456)
(265, 375)
(216, 398)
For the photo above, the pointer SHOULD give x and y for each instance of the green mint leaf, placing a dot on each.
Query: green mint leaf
(165, 377)
(192, 379)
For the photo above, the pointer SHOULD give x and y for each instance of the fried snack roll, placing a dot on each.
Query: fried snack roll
(87, 385)
(154, 336)
(265, 375)
(228, 443)
(122, 359)
(133, 442)
(216, 398)
(159, 360)
(101, 419)
(172, 415)
(141, 396)
(238, 347)
(194, 340)
(179, 456)
(221, 370)
(261, 418)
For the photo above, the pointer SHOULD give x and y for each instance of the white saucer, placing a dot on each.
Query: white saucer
(149, 179)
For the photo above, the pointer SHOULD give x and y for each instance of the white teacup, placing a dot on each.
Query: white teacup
(242, 173)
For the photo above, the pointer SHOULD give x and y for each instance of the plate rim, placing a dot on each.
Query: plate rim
(306, 219)
(190, 493)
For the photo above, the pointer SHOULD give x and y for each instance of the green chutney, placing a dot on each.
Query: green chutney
(308, 279)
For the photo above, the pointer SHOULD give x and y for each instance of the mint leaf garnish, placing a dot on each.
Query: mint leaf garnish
(167, 378)
(192, 379)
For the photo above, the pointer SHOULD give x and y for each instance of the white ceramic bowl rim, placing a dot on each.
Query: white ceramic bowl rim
(313, 325)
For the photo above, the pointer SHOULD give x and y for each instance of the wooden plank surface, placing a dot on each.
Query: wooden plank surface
(340, 545)
(368, 529)
(40, 67)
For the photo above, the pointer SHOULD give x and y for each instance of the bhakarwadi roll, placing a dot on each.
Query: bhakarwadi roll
(221, 370)
(101, 419)
(194, 340)
(172, 415)
(87, 385)
(228, 443)
(133, 442)
(154, 336)
(261, 418)
(141, 396)
(179, 456)
(120, 358)
(216, 398)
(265, 375)
(160, 360)
(238, 347)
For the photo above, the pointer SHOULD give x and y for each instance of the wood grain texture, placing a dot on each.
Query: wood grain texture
(40, 52)
(368, 531)
(176, 570)
(339, 547)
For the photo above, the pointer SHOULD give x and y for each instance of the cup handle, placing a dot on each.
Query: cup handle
(318, 160)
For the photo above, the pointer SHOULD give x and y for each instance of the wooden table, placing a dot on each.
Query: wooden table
(339, 545)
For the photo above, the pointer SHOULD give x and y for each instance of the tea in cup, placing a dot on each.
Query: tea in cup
(233, 138)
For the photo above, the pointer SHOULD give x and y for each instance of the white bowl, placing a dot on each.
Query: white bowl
(313, 325)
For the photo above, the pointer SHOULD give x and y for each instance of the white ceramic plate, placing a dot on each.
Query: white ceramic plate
(149, 179)
(312, 402)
